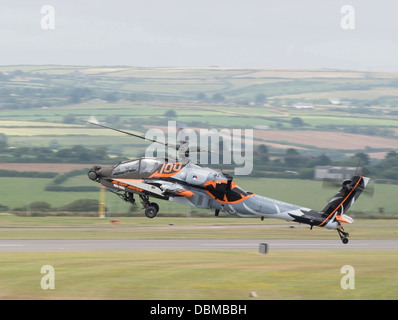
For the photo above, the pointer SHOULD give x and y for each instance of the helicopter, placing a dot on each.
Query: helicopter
(183, 181)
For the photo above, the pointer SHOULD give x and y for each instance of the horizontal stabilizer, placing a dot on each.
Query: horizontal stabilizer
(311, 217)
(344, 218)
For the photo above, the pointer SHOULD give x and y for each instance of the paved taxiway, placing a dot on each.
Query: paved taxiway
(192, 244)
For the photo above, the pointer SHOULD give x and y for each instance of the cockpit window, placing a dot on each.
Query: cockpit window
(149, 165)
(126, 167)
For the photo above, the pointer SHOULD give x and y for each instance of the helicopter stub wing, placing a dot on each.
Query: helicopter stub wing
(136, 185)
(141, 186)
(174, 189)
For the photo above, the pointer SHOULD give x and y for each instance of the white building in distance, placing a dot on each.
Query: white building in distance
(336, 173)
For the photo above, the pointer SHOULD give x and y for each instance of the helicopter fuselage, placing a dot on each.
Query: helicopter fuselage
(200, 187)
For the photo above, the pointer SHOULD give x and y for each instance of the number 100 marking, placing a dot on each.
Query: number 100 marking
(171, 167)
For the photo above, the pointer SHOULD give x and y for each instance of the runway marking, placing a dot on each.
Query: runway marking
(227, 244)
(316, 244)
(193, 244)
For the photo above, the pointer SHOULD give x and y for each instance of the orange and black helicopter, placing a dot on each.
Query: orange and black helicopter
(188, 183)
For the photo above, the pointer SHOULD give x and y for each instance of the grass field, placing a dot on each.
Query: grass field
(16, 227)
(19, 192)
(222, 275)
(194, 275)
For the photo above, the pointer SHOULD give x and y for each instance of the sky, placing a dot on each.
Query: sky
(199, 33)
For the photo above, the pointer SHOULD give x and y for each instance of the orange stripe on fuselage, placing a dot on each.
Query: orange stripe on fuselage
(185, 193)
(126, 183)
(353, 189)
(157, 174)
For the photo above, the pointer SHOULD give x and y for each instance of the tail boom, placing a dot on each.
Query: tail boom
(343, 200)
(333, 214)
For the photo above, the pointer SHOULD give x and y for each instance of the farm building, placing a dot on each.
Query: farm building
(338, 173)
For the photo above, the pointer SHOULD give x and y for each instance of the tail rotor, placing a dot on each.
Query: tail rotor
(349, 192)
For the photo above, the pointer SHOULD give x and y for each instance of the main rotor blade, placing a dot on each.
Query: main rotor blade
(122, 131)
(176, 147)
(118, 130)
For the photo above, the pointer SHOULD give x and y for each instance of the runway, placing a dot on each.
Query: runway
(191, 244)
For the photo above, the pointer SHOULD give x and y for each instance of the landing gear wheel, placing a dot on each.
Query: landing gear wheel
(151, 208)
(150, 212)
(155, 205)
(343, 235)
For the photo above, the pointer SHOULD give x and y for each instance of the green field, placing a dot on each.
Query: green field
(198, 275)
(140, 227)
(18, 192)
(194, 275)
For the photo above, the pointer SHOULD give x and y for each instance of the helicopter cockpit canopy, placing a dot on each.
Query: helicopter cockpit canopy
(143, 166)
(148, 166)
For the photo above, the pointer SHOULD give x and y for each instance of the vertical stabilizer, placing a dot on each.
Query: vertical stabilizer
(344, 199)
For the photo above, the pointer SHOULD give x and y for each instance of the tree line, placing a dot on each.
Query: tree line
(75, 154)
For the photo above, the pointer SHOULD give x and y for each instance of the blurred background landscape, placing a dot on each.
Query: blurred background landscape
(317, 82)
(302, 119)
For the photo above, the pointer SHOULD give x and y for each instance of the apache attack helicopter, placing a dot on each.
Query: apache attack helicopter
(188, 183)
